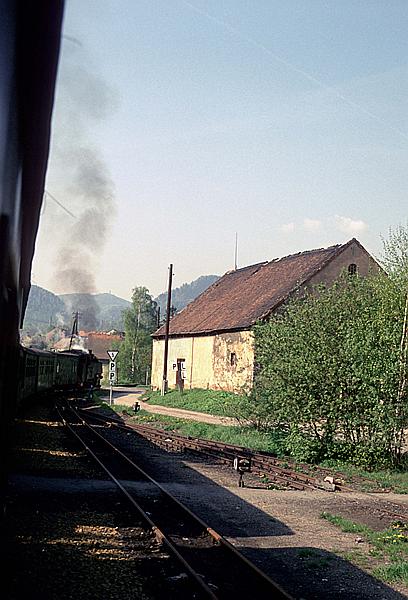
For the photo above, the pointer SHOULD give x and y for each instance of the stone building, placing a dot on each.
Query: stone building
(211, 343)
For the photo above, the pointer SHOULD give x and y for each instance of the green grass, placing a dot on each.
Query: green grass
(218, 403)
(397, 480)
(389, 546)
(213, 402)
(242, 436)
(394, 573)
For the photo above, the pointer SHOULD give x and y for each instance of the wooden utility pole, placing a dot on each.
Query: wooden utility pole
(403, 354)
(402, 387)
(165, 383)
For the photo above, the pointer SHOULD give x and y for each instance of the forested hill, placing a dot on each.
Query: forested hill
(44, 310)
(186, 293)
(97, 311)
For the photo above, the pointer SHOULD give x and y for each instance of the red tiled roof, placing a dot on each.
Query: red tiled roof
(239, 298)
(100, 343)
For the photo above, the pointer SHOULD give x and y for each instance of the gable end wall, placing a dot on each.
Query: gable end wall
(354, 253)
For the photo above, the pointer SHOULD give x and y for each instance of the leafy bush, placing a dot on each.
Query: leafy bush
(329, 371)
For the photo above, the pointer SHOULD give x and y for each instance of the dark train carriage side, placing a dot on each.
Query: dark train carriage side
(94, 371)
(42, 371)
(36, 373)
(28, 372)
(89, 368)
(30, 35)
(66, 370)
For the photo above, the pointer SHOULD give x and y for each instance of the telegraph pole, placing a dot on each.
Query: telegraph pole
(165, 383)
(402, 386)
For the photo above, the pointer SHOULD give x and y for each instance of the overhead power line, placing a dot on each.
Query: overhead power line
(47, 193)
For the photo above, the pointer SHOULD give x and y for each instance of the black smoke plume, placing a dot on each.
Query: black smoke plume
(83, 180)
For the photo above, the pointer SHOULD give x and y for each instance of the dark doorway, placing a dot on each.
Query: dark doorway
(180, 373)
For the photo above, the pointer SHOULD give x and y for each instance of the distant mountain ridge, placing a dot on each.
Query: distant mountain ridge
(44, 310)
(97, 311)
(186, 293)
(101, 312)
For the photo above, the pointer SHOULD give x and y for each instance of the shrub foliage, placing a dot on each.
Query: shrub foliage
(329, 372)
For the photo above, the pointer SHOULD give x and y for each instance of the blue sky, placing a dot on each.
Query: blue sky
(283, 121)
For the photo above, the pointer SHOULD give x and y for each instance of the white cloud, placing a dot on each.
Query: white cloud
(350, 226)
(288, 228)
(311, 224)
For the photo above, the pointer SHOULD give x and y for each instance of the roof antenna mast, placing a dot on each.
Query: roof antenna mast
(236, 252)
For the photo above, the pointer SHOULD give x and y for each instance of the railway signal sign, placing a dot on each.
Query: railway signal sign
(112, 371)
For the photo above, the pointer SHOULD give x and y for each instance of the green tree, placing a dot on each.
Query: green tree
(329, 371)
(395, 253)
(140, 321)
(395, 261)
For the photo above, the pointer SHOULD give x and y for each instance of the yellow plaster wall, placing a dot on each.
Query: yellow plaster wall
(207, 361)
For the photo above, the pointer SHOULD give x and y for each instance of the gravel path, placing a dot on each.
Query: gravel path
(281, 531)
(129, 398)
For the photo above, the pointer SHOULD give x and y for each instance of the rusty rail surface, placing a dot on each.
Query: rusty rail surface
(276, 470)
(282, 472)
(216, 567)
(267, 463)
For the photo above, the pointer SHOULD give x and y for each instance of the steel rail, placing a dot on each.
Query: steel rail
(257, 460)
(218, 539)
(262, 460)
(225, 452)
(159, 535)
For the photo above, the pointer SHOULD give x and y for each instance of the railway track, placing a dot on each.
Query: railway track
(277, 470)
(213, 567)
(283, 473)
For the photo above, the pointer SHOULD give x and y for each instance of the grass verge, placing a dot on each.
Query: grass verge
(389, 546)
(218, 403)
(213, 402)
(242, 436)
(396, 480)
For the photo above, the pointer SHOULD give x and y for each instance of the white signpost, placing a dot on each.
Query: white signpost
(112, 372)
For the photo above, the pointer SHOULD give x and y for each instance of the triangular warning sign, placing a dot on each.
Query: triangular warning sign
(113, 354)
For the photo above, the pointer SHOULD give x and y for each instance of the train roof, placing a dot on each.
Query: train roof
(53, 353)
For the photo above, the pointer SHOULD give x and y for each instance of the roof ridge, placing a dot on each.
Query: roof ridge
(305, 252)
(337, 249)
(295, 254)
(226, 307)
(258, 264)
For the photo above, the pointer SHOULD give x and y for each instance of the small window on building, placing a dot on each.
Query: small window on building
(233, 359)
(352, 269)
